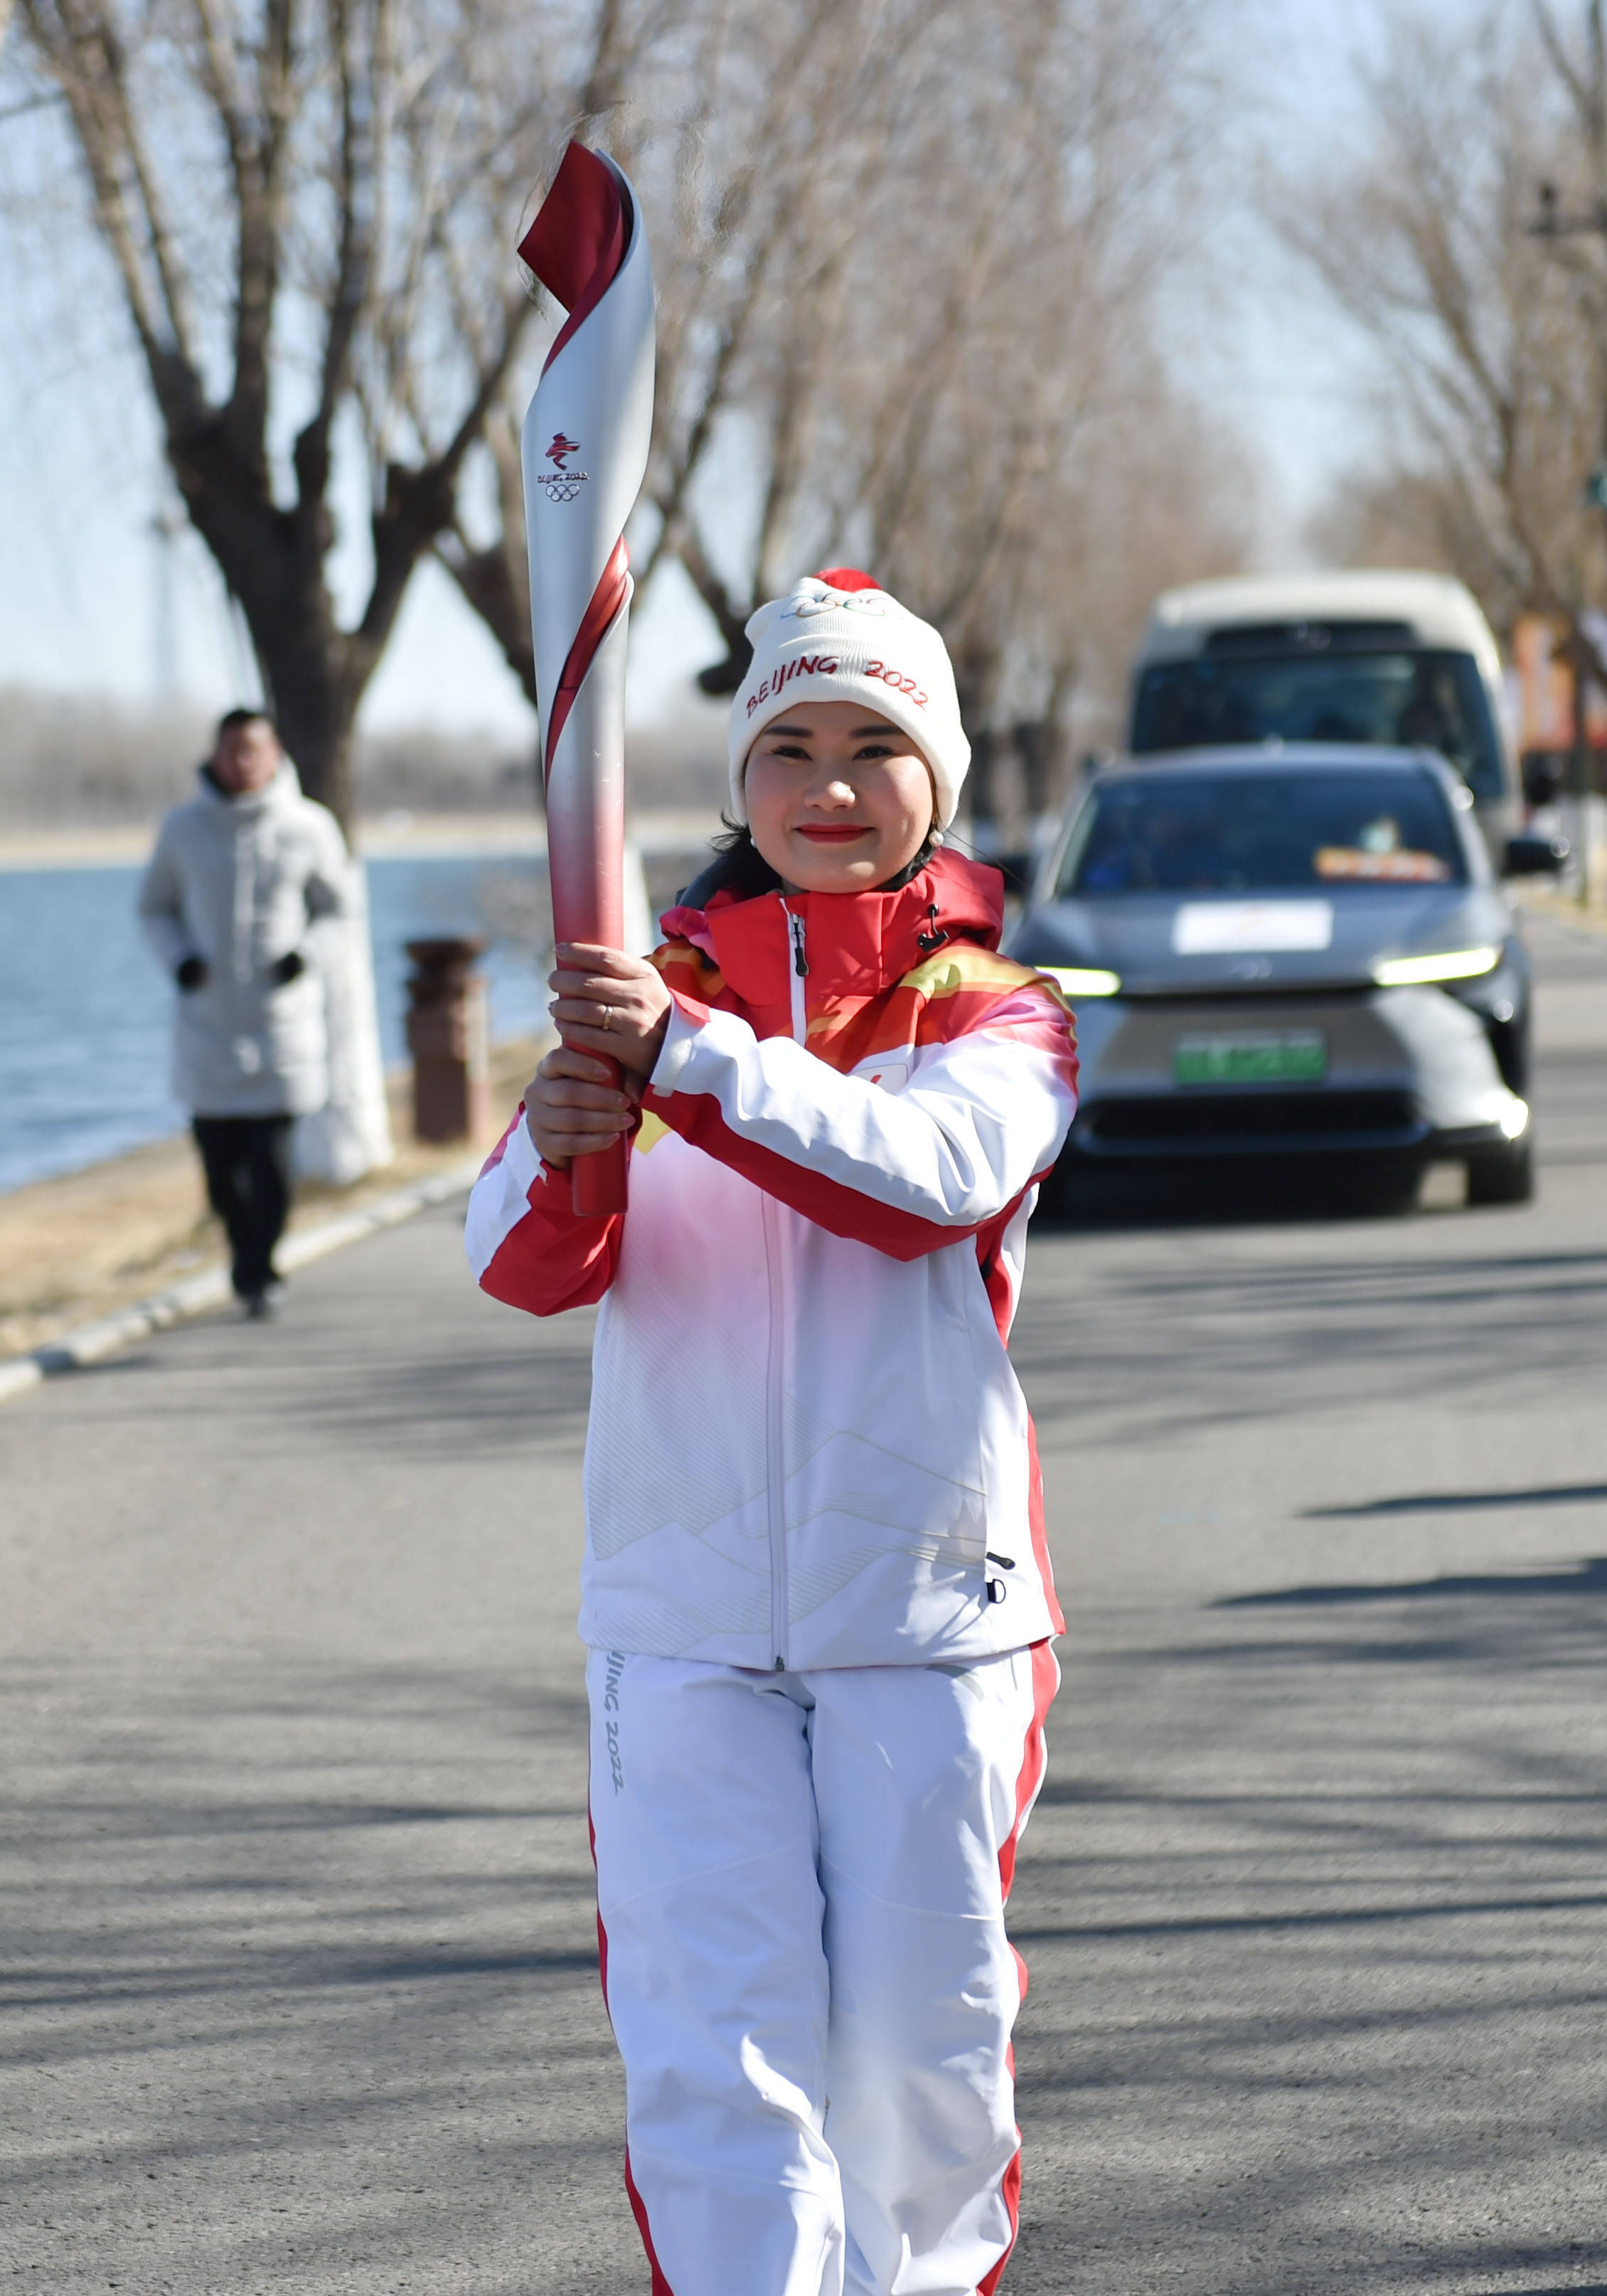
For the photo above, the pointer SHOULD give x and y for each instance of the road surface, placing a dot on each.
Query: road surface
(298, 1984)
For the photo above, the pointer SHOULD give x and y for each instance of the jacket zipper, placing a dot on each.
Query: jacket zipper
(800, 973)
(775, 1392)
(245, 899)
(774, 1424)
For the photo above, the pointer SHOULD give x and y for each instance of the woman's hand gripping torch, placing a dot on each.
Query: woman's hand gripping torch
(585, 451)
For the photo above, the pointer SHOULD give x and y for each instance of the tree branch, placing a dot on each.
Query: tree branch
(355, 192)
(74, 56)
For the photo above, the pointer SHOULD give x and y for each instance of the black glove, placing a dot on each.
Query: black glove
(190, 973)
(289, 967)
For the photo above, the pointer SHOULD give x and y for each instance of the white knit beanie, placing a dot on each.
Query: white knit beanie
(836, 637)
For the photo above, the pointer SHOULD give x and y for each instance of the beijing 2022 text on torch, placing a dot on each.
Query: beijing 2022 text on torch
(585, 451)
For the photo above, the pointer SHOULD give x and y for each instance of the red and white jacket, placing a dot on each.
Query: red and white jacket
(808, 1447)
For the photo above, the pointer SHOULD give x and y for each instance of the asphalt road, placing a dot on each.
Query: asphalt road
(299, 1992)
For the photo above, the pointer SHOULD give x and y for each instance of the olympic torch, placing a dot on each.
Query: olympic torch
(585, 453)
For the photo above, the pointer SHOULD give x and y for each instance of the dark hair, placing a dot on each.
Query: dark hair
(231, 718)
(740, 869)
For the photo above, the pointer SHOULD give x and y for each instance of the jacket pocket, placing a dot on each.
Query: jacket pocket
(882, 1434)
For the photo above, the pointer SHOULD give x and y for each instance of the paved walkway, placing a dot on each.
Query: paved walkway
(298, 1991)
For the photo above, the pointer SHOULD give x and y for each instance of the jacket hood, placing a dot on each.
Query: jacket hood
(856, 944)
(284, 787)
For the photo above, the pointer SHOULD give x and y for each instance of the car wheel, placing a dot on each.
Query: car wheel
(1502, 1176)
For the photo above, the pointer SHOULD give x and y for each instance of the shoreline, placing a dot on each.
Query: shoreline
(395, 835)
(83, 1246)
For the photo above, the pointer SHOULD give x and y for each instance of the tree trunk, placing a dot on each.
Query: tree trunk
(244, 72)
(315, 707)
(314, 672)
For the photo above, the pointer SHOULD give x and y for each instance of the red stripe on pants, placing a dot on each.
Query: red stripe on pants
(1045, 1681)
(639, 2208)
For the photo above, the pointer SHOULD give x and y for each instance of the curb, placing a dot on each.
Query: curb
(1562, 911)
(92, 1342)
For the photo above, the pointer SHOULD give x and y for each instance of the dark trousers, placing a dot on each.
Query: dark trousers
(248, 1167)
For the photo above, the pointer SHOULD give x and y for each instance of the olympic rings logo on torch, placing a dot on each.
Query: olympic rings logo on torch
(588, 248)
(562, 483)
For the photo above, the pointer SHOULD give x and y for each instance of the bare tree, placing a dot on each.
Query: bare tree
(306, 205)
(906, 261)
(1491, 326)
(758, 162)
(1398, 513)
(1023, 424)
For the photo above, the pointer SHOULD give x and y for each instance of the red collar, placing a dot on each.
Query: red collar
(856, 944)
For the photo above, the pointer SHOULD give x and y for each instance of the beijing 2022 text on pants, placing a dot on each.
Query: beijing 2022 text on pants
(246, 1160)
(800, 1882)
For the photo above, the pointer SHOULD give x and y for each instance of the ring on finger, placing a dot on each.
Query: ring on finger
(608, 1016)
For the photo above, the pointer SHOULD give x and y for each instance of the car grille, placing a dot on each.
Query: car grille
(1263, 1119)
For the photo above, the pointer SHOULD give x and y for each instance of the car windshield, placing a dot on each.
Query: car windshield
(1263, 831)
(1399, 699)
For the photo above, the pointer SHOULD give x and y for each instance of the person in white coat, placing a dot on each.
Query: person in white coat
(245, 877)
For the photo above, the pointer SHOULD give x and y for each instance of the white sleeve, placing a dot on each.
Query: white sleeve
(979, 1118)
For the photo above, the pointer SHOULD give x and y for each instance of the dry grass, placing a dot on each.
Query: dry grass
(76, 1248)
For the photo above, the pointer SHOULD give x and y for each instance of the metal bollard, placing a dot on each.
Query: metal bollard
(449, 1036)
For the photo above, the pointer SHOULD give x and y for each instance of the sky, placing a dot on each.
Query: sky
(91, 597)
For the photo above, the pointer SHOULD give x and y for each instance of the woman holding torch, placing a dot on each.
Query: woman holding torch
(817, 1592)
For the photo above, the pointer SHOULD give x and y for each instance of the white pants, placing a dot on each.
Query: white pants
(800, 1882)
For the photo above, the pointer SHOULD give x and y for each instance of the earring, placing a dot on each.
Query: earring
(937, 839)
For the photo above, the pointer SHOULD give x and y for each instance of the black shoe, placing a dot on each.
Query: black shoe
(262, 1306)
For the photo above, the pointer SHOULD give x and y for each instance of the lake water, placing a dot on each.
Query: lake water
(85, 1011)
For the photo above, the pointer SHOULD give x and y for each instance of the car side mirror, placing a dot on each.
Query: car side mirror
(1529, 856)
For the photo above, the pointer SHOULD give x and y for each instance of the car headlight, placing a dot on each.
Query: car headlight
(1083, 981)
(1453, 964)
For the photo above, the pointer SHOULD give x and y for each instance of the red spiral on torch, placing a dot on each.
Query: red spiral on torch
(607, 599)
(575, 247)
(578, 240)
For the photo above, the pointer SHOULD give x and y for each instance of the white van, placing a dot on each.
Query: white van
(1380, 659)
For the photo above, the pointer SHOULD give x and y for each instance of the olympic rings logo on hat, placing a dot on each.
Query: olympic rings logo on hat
(807, 604)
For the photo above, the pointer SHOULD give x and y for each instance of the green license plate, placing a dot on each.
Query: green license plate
(1267, 1056)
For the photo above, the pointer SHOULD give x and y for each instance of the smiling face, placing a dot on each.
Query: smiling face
(838, 800)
